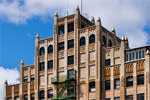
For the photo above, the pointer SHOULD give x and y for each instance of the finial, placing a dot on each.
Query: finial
(78, 9)
(123, 38)
(37, 35)
(147, 52)
(21, 62)
(113, 30)
(93, 20)
(6, 83)
(126, 38)
(56, 14)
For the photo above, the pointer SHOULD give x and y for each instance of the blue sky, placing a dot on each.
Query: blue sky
(20, 20)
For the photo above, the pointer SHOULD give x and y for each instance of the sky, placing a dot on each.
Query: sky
(21, 20)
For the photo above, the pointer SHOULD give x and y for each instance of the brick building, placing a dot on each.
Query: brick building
(83, 61)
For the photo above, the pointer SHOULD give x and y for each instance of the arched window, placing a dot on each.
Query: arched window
(42, 51)
(82, 41)
(50, 49)
(92, 39)
(109, 43)
(104, 40)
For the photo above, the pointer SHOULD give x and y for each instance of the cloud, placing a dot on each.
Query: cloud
(129, 17)
(12, 75)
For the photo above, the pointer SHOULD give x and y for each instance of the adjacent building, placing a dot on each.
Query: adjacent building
(83, 61)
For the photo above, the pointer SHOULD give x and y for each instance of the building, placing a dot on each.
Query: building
(83, 61)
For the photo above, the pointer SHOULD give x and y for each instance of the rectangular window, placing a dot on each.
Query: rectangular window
(140, 79)
(140, 96)
(70, 60)
(42, 66)
(50, 64)
(25, 97)
(117, 98)
(137, 55)
(92, 87)
(25, 79)
(60, 46)
(32, 96)
(142, 54)
(16, 98)
(117, 83)
(9, 98)
(129, 81)
(70, 43)
(71, 91)
(32, 77)
(107, 98)
(107, 62)
(70, 27)
(50, 93)
(107, 85)
(60, 29)
(41, 95)
(71, 74)
(129, 97)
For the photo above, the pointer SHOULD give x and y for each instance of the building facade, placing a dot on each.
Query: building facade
(83, 61)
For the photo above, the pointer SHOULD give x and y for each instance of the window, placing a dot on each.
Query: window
(9, 98)
(71, 74)
(92, 87)
(117, 83)
(107, 98)
(71, 91)
(140, 79)
(107, 62)
(92, 39)
(50, 49)
(25, 79)
(140, 96)
(60, 46)
(32, 96)
(82, 41)
(16, 98)
(104, 40)
(129, 81)
(50, 64)
(41, 95)
(41, 66)
(129, 97)
(142, 54)
(117, 98)
(25, 97)
(32, 78)
(60, 29)
(70, 27)
(42, 51)
(107, 85)
(109, 43)
(137, 55)
(70, 60)
(50, 93)
(70, 43)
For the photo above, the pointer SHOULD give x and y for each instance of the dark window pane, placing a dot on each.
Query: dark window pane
(50, 93)
(82, 41)
(25, 97)
(129, 97)
(60, 29)
(117, 83)
(109, 43)
(104, 41)
(41, 95)
(92, 39)
(50, 49)
(140, 79)
(117, 98)
(140, 96)
(92, 87)
(50, 64)
(60, 46)
(107, 62)
(129, 81)
(70, 27)
(32, 96)
(71, 91)
(32, 78)
(42, 51)
(107, 85)
(70, 44)
(41, 66)
(70, 60)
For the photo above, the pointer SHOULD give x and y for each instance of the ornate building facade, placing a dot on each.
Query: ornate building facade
(83, 61)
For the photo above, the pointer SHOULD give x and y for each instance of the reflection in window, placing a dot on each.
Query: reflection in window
(60, 29)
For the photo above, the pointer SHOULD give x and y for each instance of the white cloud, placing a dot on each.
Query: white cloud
(12, 75)
(129, 17)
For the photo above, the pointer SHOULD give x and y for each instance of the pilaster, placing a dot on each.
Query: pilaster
(21, 79)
